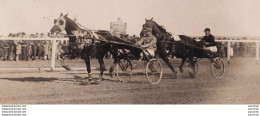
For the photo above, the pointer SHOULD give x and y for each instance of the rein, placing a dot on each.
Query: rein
(85, 42)
(183, 44)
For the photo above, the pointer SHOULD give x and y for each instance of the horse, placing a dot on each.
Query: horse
(166, 45)
(82, 42)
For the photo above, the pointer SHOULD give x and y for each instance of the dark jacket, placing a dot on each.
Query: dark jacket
(11, 43)
(4, 44)
(36, 42)
(209, 40)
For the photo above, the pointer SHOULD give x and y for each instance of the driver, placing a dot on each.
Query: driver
(209, 41)
(148, 43)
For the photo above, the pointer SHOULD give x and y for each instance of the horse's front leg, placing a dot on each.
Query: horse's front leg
(182, 63)
(165, 59)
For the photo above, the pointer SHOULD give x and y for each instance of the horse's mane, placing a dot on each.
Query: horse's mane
(160, 27)
(73, 22)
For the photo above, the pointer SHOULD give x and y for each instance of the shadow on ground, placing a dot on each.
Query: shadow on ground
(32, 79)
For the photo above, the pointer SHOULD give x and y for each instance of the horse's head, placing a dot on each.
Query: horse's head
(154, 28)
(59, 24)
(147, 27)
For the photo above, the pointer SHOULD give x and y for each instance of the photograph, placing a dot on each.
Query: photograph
(129, 52)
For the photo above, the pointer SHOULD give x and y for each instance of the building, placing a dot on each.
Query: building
(119, 27)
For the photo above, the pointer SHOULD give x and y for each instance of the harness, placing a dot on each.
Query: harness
(83, 39)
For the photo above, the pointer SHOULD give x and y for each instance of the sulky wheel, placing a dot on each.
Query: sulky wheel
(189, 68)
(218, 67)
(124, 70)
(154, 71)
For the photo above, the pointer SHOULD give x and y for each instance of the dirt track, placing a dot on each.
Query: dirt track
(240, 85)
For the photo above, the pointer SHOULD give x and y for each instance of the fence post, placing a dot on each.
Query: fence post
(257, 52)
(228, 51)
(53, 54)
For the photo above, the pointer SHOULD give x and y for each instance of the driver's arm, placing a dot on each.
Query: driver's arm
(139, 42)
(151, 43)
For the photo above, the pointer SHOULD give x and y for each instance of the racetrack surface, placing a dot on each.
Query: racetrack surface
(240, 85)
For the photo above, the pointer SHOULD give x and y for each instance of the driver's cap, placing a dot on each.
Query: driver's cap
(206, 29)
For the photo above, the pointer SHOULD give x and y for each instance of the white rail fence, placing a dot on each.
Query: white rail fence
(245, 41)
(53, 52)
(54, 43)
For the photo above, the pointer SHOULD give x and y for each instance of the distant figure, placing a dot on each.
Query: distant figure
(11, 50)
(18, 47)
(133, 40)
(40, 47)
(25, 48)
(5, 46)
(222, 48)
(231, 49)
(209, 41)
(46, 49)
(34, 47)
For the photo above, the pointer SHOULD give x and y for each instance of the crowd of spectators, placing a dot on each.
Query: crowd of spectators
(25, 49)
(237, 49)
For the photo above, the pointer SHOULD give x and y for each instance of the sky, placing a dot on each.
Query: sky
(189, 17)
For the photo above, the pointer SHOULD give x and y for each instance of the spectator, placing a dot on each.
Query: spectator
(231, 49)
(241, 49)
(222, 49)
(34, 46)
(30, 51)
(236, 49)
(5, 46)
(133, 40)
(40, 47)
(18, 47)
(11, 50)
(25, 50)
(46, 49)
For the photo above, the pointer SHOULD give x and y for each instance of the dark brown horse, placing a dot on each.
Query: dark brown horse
(82, 43)
(166, 48)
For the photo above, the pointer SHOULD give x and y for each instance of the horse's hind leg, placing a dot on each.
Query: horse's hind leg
(102, 67)
(193, 67)
(87, 62)
(181, 65)
(116, 59)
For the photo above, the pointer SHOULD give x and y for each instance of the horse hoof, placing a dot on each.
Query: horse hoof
(175, 74)
(67, 67)
(192, 75)
(100, 79)
(111, 74)
(90, 76)
(181, 69)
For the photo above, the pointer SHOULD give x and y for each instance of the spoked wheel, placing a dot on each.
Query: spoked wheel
(218, 67)
(189, 68)
(124, 70)
(154, 71)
